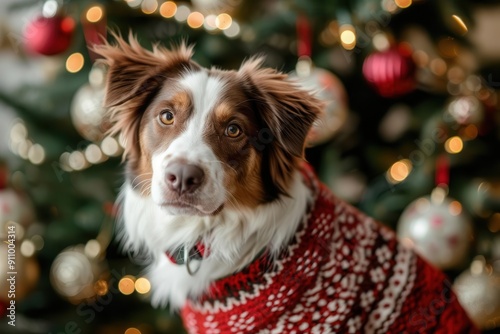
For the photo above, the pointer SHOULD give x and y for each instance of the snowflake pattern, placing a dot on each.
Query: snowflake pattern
(342, 273)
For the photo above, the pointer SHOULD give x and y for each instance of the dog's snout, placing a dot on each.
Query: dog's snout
(184, 178)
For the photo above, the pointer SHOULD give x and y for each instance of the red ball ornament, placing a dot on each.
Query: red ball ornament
(49, 35)
(391, 72)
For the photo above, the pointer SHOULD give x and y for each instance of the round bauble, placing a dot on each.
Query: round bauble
(87, 108)
(438, 230)
(391, 73)
(49, 35)
(478, 290)
(329, 89)
(77, 276)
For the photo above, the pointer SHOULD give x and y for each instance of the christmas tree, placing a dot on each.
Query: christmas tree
(410, 135)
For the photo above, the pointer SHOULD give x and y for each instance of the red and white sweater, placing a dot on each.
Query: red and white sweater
(342, 273)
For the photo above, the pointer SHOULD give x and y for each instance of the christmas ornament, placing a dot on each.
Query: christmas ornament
(438, 229)
(50, 33)
(24, 274)
(465, 110)
(215, 6)
(79, 273)
(390, 72)
(478, 290)
(87, 110)
(329, 89)
(15, 206)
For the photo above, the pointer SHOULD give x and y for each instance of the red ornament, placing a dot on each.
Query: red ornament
(391, 72)
(49, 35)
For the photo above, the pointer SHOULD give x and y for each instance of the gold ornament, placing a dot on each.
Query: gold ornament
(79, 273)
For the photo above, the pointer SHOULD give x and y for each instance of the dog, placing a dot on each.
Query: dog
(243, 236)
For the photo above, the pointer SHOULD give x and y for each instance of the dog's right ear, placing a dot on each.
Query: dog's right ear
(134, 77)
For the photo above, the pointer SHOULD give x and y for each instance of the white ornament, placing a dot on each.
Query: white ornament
(438, 229)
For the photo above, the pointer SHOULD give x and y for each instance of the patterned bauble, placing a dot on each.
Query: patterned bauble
(465, 110)
(78, 274)
(87, 110)
(438, 229)
(19, 277)
(51, 32)
(390, 72)
(329, 89)
(478, 290)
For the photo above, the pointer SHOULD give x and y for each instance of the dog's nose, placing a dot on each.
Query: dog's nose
(184, 178)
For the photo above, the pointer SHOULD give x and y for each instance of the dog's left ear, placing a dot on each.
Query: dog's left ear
(287, 111)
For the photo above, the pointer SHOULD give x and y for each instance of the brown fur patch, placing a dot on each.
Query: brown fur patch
(287, 112)
(240, 160)
(135, 76)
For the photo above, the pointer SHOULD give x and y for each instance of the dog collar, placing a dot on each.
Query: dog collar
(182, 255)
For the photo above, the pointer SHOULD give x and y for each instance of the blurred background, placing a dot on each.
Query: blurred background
(410, 135)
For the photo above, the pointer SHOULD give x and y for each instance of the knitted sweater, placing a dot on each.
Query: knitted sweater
(342, 273)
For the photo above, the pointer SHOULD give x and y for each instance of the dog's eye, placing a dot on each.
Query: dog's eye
(166, 117)
(233, 131)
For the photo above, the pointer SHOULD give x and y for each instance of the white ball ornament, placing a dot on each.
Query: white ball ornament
(438, 229)
(478, 290)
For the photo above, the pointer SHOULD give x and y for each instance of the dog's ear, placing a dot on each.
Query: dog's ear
(287, 112)
(134, 77)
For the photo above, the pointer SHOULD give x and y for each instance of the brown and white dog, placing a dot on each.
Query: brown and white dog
(242, 235)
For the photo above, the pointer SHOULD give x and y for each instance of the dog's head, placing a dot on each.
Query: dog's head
(200, 140)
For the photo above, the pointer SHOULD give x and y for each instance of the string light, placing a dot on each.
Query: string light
(182, 13)
(233, 31)
(195, 20)
(149, 6)
(75, 62)
(403, 3)
(209, 23)
(126, 285)
(132, 330)
(223, 21)
(142, 285)
(454, 145)
(94, 14)
(168, 9)
(36, 154)
(27, 248)
(399, 171)
(347, 36)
